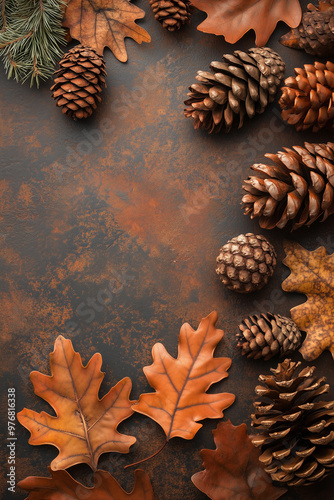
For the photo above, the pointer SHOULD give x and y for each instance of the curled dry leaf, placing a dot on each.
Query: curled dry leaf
(180, 400)
(85, 426)
(233, 18)
(105, 23)
(232, 470)
(312, 273)
(62, 486)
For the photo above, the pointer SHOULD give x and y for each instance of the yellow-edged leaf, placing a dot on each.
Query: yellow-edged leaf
(312, 273)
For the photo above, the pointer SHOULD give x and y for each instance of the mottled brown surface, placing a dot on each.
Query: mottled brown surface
(149, 204)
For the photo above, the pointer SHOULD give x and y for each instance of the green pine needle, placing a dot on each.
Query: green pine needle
(31, 35)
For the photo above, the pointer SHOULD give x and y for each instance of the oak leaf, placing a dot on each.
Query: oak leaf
(233, 470)
(85, 426)
(312, 273)
(62, 486)
(233, 18)
(180, 399)
(105, 23)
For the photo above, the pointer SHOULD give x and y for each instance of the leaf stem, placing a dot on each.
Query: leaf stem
(148, 458)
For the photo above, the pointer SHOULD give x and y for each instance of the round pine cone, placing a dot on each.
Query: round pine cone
(297, 438)
(266, 335)
(79, 81)
(307, 99)
(246, 262)
(171, 14)
(242, 85)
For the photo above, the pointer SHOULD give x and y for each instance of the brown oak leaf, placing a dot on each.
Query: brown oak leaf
(105, 23)
(312, 273)
(62, 486)
(85, 426)
(232, 470)
(233, 18)
(180, 399)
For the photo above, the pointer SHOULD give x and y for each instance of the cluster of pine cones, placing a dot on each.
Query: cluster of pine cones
(296, 428)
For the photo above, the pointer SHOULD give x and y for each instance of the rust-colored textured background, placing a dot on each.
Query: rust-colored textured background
(133, 198)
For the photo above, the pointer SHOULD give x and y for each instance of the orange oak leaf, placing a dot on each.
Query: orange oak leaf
(85, 426)
(233, 470)
(62, 486)
(233, 18)
(312, 273)
(180, 399)
(105, 23)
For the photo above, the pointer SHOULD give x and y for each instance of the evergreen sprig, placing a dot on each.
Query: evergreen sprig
(31, 36)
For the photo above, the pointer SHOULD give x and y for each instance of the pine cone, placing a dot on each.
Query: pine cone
(246, 262)
(172, 14)
(242, 85)
(267, 335)
(297, 437)
(78, 81)
(315, 34)
(307, 100)
(296, 191)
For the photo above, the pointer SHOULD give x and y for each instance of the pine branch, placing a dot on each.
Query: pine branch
(31, 36)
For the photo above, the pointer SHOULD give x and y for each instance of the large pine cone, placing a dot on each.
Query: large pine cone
(79, 81)
(315, 34)
(246, 262)
(307, 99)
(297, 437)
(172, 14)
(242, 85)
(267, 335)
(296, 190)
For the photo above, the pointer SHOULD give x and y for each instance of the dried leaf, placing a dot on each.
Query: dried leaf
(105, 23)
(233, 18)
(180, 399)
(312, 273)
(62, 486)
(85, 426)
(232, 470)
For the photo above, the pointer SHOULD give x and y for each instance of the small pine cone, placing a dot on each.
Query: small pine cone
(297, 438)
(242, 85)
(78, 82)
(296, 191)
(246, 262)
(307, 99)
(172, 14)
(315, 34)
(268, 335)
